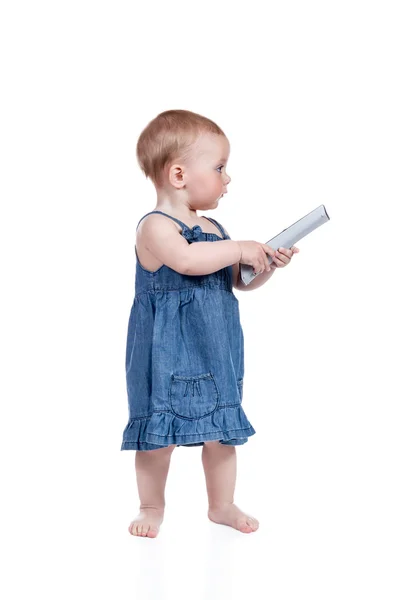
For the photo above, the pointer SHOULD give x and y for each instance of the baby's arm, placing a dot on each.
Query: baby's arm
(162, 239)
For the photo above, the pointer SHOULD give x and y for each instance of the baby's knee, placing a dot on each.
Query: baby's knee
(212, 443)
(158, 455)
(167, 451)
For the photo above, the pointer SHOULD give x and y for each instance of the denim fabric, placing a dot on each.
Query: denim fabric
(184, 357)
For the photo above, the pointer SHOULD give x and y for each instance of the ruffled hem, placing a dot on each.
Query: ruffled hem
(229, 425)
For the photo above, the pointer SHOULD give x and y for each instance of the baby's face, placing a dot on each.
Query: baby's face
(206, 177)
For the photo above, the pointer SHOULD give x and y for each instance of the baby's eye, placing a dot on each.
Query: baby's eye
(221, 167)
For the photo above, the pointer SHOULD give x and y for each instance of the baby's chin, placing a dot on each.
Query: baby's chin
(212, 202)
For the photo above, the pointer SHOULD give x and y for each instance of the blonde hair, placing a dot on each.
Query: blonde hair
(168, 137)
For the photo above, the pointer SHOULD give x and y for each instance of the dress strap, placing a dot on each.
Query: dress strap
(184, 227)
(217, 225)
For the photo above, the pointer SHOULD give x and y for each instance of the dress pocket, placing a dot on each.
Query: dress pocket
(193, 397)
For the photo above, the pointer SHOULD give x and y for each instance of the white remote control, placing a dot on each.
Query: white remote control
(289, 236)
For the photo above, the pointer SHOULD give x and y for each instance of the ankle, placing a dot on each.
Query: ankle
(152, 507)
(215, 506)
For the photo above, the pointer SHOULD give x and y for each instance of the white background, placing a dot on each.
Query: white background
(308, 95)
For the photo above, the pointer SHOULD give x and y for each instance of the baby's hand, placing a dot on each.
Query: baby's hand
(255, 254)
(283, 257)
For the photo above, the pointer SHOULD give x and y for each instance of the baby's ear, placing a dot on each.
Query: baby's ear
(176, 176)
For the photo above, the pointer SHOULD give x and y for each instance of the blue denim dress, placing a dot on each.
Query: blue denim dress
(184, 357)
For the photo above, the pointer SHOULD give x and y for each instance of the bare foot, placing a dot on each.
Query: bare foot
(231, 515)
(147, 523)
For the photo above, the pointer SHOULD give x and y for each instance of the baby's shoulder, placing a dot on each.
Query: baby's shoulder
(155, 231)
(155, 223)
(158, 242)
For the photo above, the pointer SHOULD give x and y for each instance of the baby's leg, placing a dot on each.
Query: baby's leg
(151, 474)
(219, 463)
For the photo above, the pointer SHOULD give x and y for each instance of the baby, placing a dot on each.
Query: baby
(184, 352)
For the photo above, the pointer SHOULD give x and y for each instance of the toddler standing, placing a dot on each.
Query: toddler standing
(185, 351)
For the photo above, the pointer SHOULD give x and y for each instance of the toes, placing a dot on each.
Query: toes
(152, 533)
(248, 525)
(253, 523)
(141, 530)
(145, 531)
(243, 526)
(134, 529)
